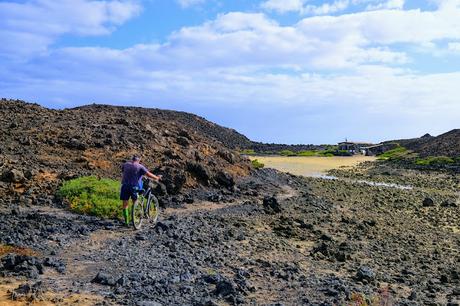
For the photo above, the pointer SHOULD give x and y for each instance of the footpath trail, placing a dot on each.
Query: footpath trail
(81, 259)
(81, 255)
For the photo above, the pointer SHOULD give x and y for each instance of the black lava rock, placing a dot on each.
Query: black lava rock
(13, 176)
(365, 274)
(58, 264)
(104, 279)
(225, 288)
(214, 197)
(271, 205)
(224, 179)
(428, 202)
(21, 265)
(28, 291)
(148, 303)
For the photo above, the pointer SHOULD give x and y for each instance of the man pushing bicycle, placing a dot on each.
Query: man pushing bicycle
(133, 171)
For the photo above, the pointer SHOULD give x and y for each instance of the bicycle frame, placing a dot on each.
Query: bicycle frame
(145, 198)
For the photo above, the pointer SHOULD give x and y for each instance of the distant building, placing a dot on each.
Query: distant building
(354, 147)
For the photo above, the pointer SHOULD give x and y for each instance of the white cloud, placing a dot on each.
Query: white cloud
(255, 42)
(326, 8)
(454, 47)
(389, 26)
(304, 8)
(189, 3)
(30, 27)
(387, 5)
(238, 39)
(284, 6)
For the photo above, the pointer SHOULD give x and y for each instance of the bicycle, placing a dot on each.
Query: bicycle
(145, 207)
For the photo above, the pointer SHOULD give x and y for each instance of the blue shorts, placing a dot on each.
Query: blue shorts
(127, 191)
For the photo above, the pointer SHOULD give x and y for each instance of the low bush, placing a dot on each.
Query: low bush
(256, 164)
(287, 153)
(307, 153)
(326, 153)
(395, 154)
(248, 152)
(435, 161)
(92, 196)
(333, 152)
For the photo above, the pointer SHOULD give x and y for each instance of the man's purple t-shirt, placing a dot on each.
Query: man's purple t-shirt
(132, 172)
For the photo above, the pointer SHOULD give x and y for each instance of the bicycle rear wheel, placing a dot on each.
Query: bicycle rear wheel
(137, 212)
(153, 208)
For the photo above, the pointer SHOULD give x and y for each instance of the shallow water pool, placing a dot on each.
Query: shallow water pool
(319, 166)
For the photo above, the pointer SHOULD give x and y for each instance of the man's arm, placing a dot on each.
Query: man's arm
(153, 176)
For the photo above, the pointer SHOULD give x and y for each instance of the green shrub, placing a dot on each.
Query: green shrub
(307, 153)
(326, 153)
(287, 153)
(332, 153)
(92, 196)
(435, 161)
(248, 152)
(396, 153)
(256, 164)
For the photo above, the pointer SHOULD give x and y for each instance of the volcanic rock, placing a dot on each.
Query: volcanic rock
(365, 274)
(271, 204)
(104, 279)
(42, 147)
(21, 265)
(428, 202)
(13, 176)
(224, 179)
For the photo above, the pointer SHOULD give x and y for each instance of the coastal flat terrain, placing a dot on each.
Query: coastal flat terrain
(310, 165)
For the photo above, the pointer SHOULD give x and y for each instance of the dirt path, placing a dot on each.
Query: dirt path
(81, 263)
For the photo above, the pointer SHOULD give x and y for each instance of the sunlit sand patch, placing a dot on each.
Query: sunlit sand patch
(310, 166)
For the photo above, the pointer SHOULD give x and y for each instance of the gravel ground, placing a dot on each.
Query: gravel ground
(317, 242)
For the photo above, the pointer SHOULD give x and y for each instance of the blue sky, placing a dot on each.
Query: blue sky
(291, 71)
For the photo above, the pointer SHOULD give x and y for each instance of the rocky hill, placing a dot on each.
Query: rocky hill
(447, 144)
(228, 137)
(40, 147)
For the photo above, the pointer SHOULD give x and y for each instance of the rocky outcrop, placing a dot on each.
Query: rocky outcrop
(41, 147)
(447, 144)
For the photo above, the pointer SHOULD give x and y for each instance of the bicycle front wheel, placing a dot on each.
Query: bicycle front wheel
(153, 208)
(137, 213)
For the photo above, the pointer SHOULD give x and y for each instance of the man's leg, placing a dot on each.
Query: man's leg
(133, 199)
(125, 211)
